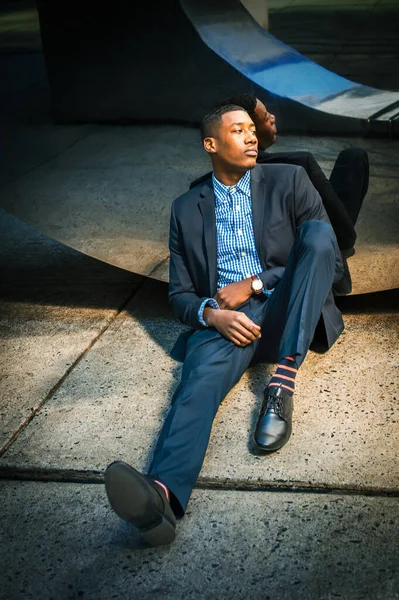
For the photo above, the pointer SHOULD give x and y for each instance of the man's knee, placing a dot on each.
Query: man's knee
(353, 156)
(316, 236)
(314, 229)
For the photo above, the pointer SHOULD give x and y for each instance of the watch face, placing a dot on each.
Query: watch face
(257, 285)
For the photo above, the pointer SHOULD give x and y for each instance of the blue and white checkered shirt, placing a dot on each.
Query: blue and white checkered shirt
(237, 258)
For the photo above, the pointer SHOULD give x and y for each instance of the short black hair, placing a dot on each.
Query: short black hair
(247, 101)
(214, 117)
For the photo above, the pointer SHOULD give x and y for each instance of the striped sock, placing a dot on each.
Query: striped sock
(285, 374)
(164, 488)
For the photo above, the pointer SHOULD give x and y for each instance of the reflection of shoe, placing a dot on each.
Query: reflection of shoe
(140, 501)
(274, 425)
(348, 252)
(344, 285)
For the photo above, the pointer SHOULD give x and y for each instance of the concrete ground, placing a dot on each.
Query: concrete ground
(86, 378)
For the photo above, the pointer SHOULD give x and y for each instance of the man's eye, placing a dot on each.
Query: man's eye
(237, 130)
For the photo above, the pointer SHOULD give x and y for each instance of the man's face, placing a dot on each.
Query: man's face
(265, 123)
(234, 143)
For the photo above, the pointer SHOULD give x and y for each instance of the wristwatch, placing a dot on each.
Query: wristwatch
(256, 284)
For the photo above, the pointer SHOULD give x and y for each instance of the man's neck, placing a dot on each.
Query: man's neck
(228, 178)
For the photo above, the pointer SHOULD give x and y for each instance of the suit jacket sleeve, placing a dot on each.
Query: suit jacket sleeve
(308, 205)
(183, 299)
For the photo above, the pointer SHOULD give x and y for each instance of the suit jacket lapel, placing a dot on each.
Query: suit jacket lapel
(258, 207)
(207, 208)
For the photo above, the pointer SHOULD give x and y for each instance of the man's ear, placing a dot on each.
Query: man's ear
(210, 145)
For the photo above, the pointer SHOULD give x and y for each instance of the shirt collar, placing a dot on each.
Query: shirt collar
(222, 191)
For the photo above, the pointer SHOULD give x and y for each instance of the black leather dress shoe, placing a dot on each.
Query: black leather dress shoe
(274, 425)
(137, 499)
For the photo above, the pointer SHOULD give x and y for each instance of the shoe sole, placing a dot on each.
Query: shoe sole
(265, 449)
(127, 494)
(262, 450)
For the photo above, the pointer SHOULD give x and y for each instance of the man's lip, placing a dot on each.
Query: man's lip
(251, 152)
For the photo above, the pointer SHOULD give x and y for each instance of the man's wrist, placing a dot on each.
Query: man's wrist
(249, 282)
(208, 315)
(207, 302)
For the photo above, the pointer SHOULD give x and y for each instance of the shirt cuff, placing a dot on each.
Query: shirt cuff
(267, 293)
(207, 302)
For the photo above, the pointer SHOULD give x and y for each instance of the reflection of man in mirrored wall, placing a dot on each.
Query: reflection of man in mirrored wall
(342, 194)
(253, 258)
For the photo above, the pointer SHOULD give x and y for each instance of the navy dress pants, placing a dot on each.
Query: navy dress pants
(213, 365)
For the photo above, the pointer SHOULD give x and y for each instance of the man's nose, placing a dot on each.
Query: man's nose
(251, 138)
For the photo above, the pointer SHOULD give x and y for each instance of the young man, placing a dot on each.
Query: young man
(342, 195)
(252, 261)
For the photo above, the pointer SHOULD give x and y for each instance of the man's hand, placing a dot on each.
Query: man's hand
(233, 325)
(234, 294)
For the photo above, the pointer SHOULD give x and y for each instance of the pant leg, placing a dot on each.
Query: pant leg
(213, 365)
(294, 308)
(350, 179)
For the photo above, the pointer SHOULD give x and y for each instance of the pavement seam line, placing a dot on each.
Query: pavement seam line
(57, 385)
(95, 476)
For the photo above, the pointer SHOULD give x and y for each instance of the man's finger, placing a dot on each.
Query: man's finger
(245, 333)
(248, 334)
(256, 331)
(250, 326)
(246, 320)
(242, 344)
(239, 339)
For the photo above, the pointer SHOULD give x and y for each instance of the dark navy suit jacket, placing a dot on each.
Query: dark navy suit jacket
(282, 199)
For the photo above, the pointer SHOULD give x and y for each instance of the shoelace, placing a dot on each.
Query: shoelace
(273, 402)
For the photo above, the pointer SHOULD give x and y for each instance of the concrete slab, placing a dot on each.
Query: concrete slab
(54, 304)
(113, 403)
(345, 418)
(63, 541)
(119, 396)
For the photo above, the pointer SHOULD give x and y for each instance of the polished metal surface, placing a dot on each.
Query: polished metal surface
(229, 30)
(106, 190)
